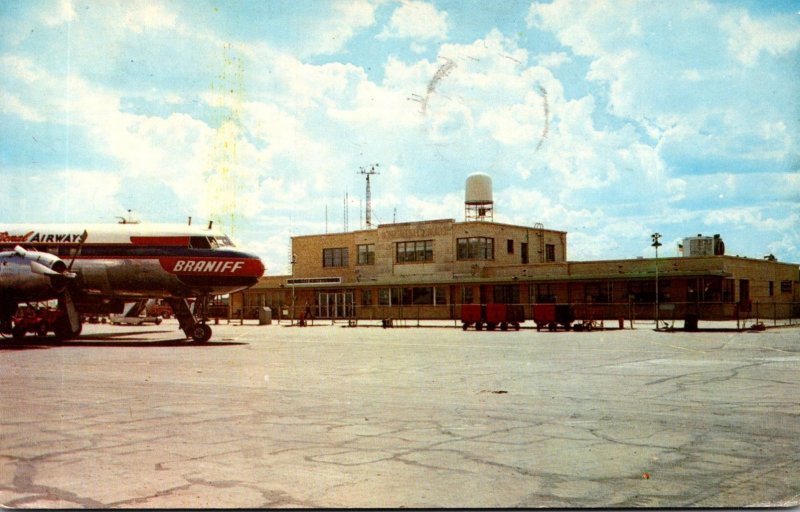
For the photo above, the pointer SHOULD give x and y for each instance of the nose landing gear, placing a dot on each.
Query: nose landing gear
(193, 324)
(201, 332)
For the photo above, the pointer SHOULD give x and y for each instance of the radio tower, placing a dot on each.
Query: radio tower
(369, 172)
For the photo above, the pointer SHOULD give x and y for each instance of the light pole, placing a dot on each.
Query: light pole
(656, 244)
(294, 260)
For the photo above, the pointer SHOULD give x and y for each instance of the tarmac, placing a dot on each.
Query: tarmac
(331, 416)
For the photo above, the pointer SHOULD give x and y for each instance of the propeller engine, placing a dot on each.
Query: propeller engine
(33, 276)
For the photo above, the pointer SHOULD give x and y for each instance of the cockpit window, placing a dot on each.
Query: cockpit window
(224, 241)
(199, 242)
(213, 242)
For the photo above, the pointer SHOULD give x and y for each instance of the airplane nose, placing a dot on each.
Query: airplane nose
(260, 268)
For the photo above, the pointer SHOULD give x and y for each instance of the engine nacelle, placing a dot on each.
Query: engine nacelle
(29, 276)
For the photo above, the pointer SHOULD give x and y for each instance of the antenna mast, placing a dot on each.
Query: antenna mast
(369, 172)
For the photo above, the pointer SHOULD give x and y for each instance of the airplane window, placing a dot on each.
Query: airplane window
(213, 242)
(67, 252)
(224, 241)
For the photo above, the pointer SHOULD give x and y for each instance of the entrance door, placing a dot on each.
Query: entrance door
(744, 290)
(335, 304)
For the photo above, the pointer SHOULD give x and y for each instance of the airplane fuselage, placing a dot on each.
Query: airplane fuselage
(134, 261)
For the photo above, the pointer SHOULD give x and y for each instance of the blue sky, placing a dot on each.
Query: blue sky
(610, 120)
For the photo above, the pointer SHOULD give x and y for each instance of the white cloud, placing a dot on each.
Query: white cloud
(787, 245)
(553, 60)
(348, 17)
(748, 38)
(71, 194)
(12, 104)
(416, 20)
(63, 12)
(146, 14)
(691, 94)
(752, 218)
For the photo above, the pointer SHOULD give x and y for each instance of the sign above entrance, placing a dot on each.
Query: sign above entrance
(311, 281)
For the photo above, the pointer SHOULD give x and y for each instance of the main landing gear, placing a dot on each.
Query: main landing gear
(194, 325)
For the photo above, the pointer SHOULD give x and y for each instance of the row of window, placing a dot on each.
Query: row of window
(411, 296)
(331, 303)
(472, 248)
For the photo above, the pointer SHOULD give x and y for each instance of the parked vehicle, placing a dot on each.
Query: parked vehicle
(553, 315)
(160, 309)
(35, 320)
(492, 316)
(133, 320)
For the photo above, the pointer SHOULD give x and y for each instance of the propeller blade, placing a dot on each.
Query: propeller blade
(82, 240)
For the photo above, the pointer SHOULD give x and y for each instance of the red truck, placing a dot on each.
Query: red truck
(35, 320)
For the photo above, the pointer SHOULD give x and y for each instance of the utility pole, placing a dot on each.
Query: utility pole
(369, 172)
(656, 244)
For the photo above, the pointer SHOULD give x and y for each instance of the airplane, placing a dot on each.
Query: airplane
(97, 268)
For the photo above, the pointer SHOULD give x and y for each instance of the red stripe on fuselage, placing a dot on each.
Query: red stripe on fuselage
(209, 266)
(170, 241)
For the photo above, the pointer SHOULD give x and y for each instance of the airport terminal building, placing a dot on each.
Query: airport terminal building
(428, 269)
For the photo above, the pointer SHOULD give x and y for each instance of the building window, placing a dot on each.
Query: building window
(439, 296)
(645, 291)
(506, 294)
(409, 252)
(335, 257)
(771, 288)
(366, 297)
(728, 287)
(475, 248)
(596, 293)
(545, 294)
(421, 295)
(510, 246)
(550, 252)
(466, 295)
(384, 297)
(366, 254)
(524, 250)
(712, 290)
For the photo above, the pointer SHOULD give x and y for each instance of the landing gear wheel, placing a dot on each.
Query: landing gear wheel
(201, 333)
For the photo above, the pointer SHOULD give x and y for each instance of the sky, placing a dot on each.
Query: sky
(611, 120)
